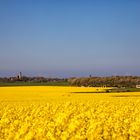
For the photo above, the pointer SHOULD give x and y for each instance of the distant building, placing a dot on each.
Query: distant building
(137, 86)
(19, 76)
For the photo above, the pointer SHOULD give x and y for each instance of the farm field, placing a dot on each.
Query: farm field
(61, 113)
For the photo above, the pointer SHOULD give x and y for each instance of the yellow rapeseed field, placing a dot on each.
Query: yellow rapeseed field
(57, 113)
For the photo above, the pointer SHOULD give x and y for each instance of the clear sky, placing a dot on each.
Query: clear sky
(70, 37)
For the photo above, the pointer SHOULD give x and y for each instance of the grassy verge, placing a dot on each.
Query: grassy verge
(35, 84)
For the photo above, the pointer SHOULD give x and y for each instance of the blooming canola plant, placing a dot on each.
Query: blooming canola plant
(61, 113)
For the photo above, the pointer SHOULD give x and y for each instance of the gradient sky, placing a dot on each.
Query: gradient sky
(70, 37)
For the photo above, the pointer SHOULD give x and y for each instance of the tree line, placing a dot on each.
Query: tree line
(112, 81)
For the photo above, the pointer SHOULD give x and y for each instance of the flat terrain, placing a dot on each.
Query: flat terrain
(51, 112)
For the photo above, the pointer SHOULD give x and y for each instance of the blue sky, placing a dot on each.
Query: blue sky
(70, 37)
